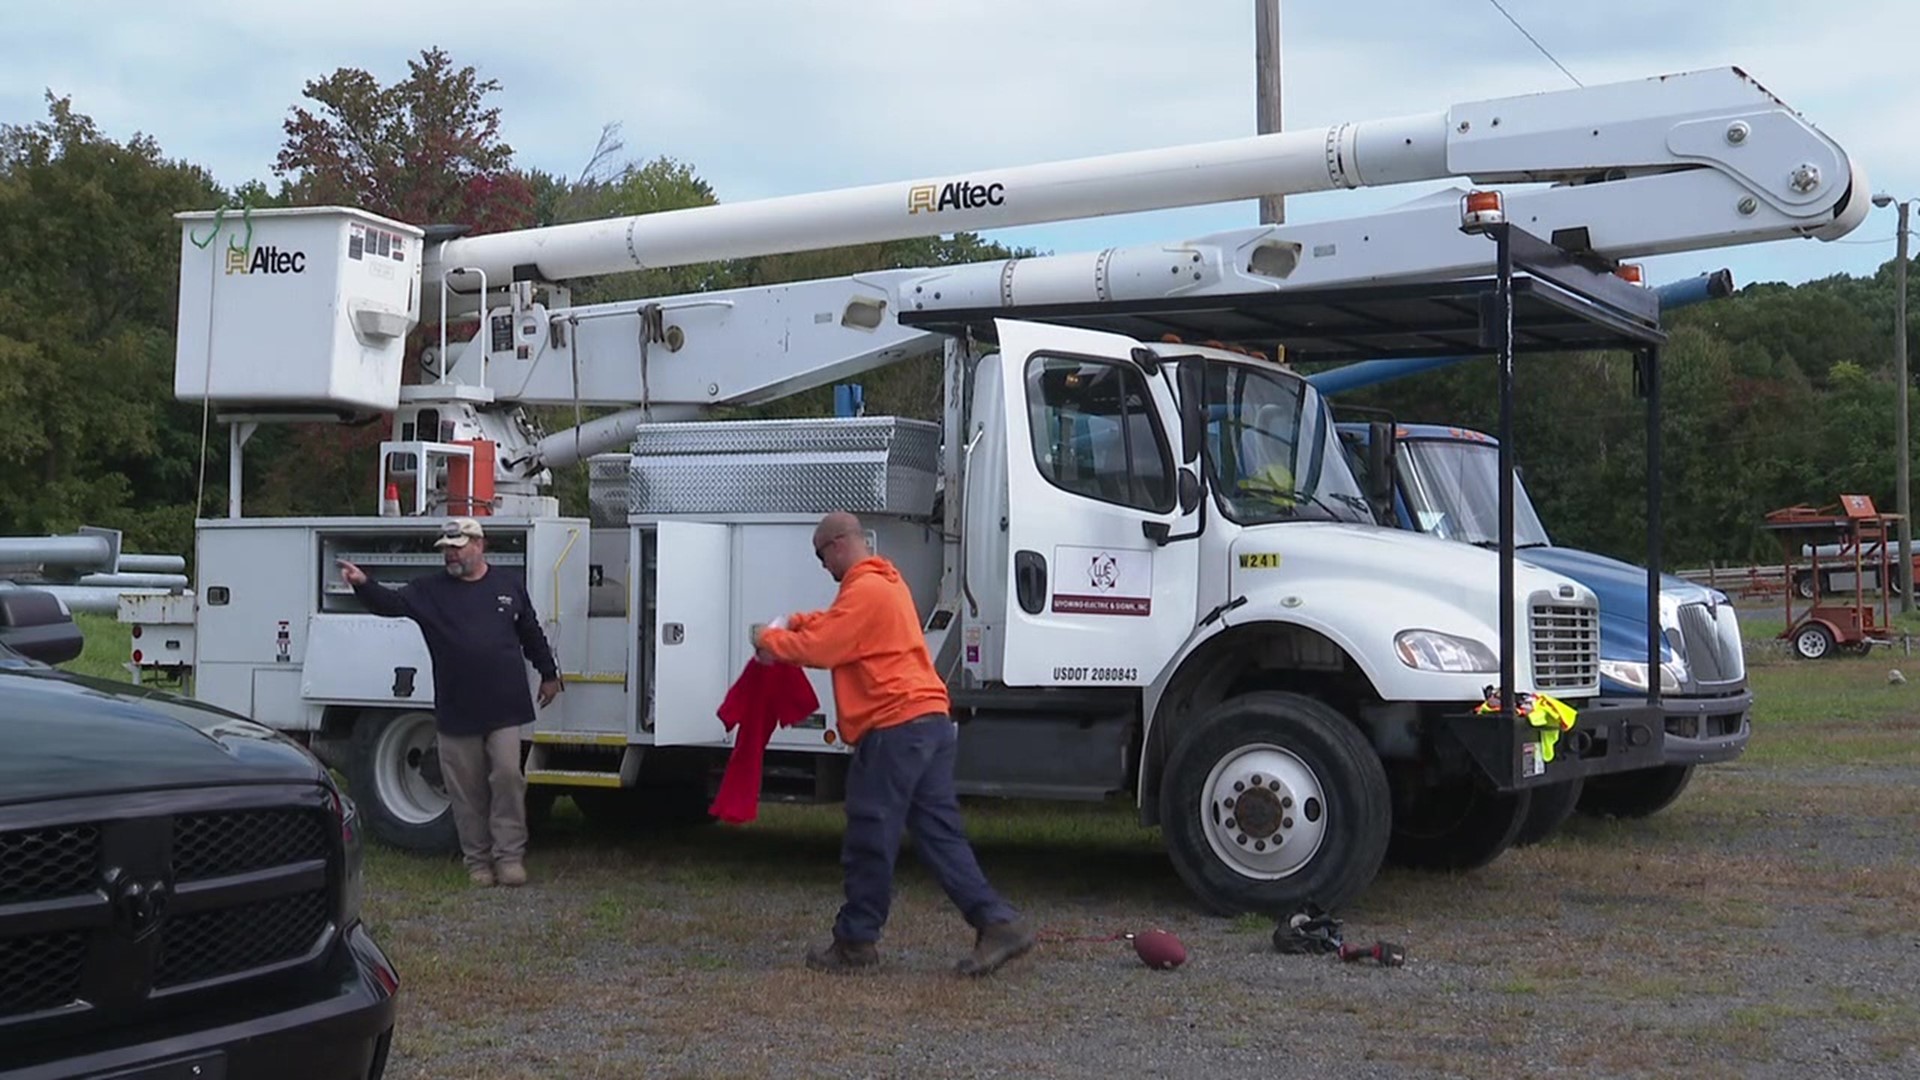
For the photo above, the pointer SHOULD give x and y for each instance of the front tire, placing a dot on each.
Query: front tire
(1550, 807)
(1454, 823)
(1637, 794)
(393, 772)
(1271, 801)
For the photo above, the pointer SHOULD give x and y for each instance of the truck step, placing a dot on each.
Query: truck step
(580, 738)
(609, 768)
(574, 778)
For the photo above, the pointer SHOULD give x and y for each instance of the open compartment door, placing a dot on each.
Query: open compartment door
(557, 573)
(692, 637)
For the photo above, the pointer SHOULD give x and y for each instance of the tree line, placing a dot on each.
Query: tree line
(1774, 396)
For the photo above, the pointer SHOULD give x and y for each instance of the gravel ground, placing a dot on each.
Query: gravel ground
(1763, 926)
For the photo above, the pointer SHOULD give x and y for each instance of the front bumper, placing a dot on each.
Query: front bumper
(1704, 730)
(1608, 736)
(339, 1027)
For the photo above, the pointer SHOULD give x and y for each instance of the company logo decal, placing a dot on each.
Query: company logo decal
(954, 195)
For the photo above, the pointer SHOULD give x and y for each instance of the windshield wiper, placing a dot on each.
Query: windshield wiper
(1356, 502)
(1295, 495)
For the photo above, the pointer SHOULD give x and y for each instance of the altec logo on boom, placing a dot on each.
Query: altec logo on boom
(954, 195)
(265, 260)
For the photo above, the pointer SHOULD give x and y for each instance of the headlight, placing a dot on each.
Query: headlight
(1430, 650)
(1635, 675)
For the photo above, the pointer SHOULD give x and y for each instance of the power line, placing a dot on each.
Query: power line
(1536, 42)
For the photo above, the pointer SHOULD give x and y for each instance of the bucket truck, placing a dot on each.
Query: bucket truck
(1145, 567)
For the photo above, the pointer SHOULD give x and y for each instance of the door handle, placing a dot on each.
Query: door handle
(1030, 580)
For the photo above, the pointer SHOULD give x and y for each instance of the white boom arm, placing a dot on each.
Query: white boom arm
(309, 314)
(1718, 120)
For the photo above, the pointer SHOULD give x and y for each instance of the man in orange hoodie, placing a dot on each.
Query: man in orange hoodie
(892, 708)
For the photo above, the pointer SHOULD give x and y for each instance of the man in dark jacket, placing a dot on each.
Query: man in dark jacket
(478, 623)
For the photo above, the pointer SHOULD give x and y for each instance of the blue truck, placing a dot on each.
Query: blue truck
(1446, 484)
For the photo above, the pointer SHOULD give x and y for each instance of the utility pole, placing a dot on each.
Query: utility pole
(1904, 494)
(1266, 59)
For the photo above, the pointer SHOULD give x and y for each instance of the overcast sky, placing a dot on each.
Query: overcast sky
(769, 98)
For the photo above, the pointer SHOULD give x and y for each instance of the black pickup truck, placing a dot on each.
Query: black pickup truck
(179, 888)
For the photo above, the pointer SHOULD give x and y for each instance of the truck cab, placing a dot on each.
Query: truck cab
(1445, 485)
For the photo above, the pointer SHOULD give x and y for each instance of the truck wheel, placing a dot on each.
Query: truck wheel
(1457, 823)
(393, 771)
(1550, 807)
(1803, 585)
(1812, 641)
(1274, 800)
(1634, 794)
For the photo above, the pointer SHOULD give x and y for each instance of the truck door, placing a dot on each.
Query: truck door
(1093, 462)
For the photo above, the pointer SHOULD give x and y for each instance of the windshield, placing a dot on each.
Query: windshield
(1452, 491)
(1272, 455)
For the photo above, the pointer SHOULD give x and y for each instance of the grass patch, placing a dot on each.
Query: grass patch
(1841, 711)
(109, 645)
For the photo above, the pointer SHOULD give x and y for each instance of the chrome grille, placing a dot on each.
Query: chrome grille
(1712, 639)
(1566, 646)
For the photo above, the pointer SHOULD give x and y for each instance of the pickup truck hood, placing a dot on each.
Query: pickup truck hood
(60, 731)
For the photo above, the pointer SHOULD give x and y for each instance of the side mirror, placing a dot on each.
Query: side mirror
(1381, 448)
(1190, 492)
(36, 625)
(1191, 382)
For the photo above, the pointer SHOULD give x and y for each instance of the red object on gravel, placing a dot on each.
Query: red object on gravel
(1159, 949)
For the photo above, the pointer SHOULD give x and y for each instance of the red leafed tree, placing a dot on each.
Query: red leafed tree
(425, 150)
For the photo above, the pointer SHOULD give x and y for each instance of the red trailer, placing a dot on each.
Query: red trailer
(1828, 623)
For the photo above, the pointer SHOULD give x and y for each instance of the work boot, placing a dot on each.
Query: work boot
(481, 876)
(511, 873)
(840, 957)
(995, 945)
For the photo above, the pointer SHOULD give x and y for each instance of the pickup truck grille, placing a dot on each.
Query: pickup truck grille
(47, 864)
(236, 842)
(226, 940)
(41, 971)
(1566, 646)
(247, 891)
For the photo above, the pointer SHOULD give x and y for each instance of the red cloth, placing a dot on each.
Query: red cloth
(764, 695)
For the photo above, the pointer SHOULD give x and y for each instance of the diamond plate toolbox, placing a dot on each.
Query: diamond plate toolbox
(865, 465)
(607, 489)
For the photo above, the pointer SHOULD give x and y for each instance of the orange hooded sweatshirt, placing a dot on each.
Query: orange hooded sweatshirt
(870, 637)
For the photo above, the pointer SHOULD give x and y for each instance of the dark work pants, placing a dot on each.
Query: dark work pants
(901, 778)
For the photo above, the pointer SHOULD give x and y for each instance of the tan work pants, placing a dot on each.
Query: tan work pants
(489, 794)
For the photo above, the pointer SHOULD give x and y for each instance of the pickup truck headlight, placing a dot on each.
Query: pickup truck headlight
(1430, 650)
(1635, 675)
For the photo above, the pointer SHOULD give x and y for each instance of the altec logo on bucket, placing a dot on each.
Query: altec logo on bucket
(265, 260)
(954, 195)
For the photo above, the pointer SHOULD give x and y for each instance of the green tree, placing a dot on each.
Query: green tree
(90, 431)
